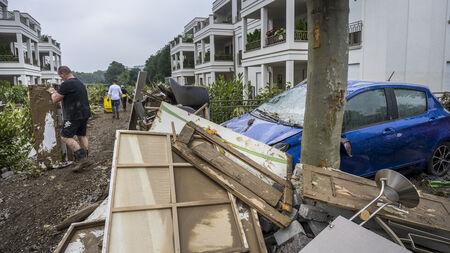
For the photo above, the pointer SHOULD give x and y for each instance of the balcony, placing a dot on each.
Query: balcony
(188, 63)
(9, 58)
(45, 67)
(223, 57)
(253, 45)
(301, 35)
(276, 38)
(23, 20)
(210, 26)
(355, 32)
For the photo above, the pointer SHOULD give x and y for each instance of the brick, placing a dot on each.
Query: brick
(283, 235)
(309, 212)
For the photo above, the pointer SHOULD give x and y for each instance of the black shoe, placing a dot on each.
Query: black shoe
(82, 165)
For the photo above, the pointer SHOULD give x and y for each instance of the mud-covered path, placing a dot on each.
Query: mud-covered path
(31, 207)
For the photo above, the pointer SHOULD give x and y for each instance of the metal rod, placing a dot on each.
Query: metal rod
(373, 201)
(376, 211)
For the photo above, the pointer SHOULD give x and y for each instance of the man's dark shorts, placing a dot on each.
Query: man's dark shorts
(74, 127)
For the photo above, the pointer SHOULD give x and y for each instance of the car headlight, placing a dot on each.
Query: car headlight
(281, 146)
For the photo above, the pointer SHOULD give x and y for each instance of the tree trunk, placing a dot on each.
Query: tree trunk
(327, 81)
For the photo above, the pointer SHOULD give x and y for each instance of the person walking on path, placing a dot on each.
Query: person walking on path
(115, 93)
(124, 98)
(77, 111)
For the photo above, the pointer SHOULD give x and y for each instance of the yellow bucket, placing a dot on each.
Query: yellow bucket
(107, 104)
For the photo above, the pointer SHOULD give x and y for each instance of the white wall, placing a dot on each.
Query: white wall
(407, 37)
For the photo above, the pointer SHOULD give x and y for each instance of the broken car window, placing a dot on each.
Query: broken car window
(288, 107)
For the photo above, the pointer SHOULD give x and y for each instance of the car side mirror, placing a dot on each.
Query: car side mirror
(347, 146)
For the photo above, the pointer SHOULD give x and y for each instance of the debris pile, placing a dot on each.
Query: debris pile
(189, 185)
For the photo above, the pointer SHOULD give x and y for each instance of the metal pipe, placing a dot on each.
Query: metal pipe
(376, 211)
(373, 201)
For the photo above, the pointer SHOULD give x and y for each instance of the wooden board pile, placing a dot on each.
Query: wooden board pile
(160, 202)
(207, 154)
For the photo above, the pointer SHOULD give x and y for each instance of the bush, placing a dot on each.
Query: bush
(445, 100)
(16, 94)
(16, 136)
(96, 93)
(234, 90)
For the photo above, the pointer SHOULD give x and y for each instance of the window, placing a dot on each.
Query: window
(410, 102)
(365, 109)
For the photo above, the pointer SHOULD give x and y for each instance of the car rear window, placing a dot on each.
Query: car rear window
(366, 108)
(410, 102)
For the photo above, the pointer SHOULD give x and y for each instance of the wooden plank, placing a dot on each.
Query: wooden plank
(353, 192)
(203, 107)
(78, 216)
(234, 187)
(173, 194)
(165, 206)
(236, 153)
(140, 83)
(238, 224)
(74, 227)
(208, 153)
(186, 135)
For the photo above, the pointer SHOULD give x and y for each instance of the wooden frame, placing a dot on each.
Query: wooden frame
(287, 187)
(139, 149)
(352, 192)
(74, 227)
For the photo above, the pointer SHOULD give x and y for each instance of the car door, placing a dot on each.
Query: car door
(368, 127)
(415, 127)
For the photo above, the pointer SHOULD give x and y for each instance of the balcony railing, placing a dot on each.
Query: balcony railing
(253, 45)
(301, 35)
(355, 32)
(45, 67)
(276, 39)
(223, 57)
(9, 58)
(188, 64)
(9, 16)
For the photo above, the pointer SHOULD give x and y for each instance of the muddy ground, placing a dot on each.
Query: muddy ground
(30, 207)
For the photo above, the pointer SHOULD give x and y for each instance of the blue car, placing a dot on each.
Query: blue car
(386, 126)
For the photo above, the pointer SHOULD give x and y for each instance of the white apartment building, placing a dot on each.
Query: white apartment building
(400, 41)
(50, 59)
(21, 47)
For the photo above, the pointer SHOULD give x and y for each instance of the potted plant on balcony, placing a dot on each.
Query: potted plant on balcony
(252, 39)
(207, 56)
(275, 35)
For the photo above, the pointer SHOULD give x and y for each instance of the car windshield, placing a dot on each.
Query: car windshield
(287, 108)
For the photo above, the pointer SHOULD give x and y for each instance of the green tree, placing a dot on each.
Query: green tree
(158, 65)
(113, 72)
(95, 77)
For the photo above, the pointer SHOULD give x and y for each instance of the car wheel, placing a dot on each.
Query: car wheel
(439, 163)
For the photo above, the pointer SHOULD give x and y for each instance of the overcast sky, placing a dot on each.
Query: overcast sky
(93, 33)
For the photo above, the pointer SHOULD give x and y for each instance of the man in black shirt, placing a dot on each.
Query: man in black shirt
(77, 111)
(124, 97)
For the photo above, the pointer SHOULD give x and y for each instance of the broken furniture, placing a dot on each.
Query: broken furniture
(82, 237)
(343, 235)
(47, 120)
(138, 117)
(397, 189)
(190, 98)
(274, 160)
(161, 203)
